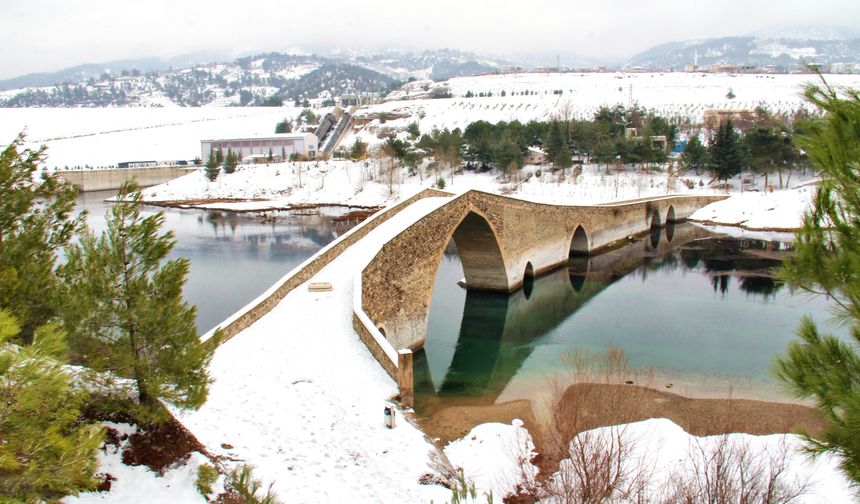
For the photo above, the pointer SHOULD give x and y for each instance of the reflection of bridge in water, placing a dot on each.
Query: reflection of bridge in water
(498, 331)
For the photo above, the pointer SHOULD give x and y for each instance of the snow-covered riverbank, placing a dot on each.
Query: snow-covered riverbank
(366, 184)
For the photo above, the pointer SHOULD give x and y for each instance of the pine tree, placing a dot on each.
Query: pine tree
(219, 156)
(212, 167)
(359, 150)
(231, 162)
(128, 316)
(563, 158)
(695, 156)
(553, 140)
(285, 126)
(46, 452)
(725, 152)
(827, 260)
(35, 222)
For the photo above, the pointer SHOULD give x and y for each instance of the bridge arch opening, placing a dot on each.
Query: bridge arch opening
(655, 220)
(579, 243)
(670, 223)
(655, 229)
(457, 309)
(480, 255)
(528, 279)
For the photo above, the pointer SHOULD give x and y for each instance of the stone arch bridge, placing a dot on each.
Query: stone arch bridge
(501, 241)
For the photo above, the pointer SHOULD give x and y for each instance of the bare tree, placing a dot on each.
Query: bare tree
(728, 471)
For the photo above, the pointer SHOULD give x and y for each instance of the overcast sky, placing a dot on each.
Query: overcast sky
(47, 35)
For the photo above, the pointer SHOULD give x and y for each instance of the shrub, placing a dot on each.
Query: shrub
(206, 477)
(440, 183)
(242, 481)
(46, 452)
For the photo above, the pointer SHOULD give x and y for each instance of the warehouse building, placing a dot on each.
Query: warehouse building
(280, 146)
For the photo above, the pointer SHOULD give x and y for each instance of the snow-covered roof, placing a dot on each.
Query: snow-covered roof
(275, 136)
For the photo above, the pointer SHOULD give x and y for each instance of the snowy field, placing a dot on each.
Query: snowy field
(681, 95)
(102, 137)
(106, 136)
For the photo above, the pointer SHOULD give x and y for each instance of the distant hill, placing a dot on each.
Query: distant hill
(81, 73)
(783, 53)
(262, 79)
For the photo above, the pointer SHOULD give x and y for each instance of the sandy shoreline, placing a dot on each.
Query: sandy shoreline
(593, 405)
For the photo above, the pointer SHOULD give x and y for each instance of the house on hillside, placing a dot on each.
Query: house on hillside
(535, 156)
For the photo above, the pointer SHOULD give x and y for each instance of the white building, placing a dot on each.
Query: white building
(280, 145)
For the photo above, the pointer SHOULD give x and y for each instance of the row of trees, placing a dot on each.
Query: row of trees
(608, 138)
(765, 148)
(616, 135)
(114, 307)
(218, 160)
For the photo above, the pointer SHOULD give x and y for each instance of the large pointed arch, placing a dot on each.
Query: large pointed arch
(480, 254)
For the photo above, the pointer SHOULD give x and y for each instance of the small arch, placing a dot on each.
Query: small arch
(381, 329)
(656, 223)
(579, 242)
(528, 280)
(670, 214)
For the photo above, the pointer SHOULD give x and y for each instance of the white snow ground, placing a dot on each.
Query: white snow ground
(486, 455)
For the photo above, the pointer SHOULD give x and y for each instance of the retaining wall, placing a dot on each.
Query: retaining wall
(103, 180)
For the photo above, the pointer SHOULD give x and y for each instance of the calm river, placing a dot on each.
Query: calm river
(234, 257)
